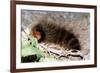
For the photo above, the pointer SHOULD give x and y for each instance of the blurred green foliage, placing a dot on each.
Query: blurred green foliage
(31, 47)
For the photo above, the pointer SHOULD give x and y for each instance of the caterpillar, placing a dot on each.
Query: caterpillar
(52, 33)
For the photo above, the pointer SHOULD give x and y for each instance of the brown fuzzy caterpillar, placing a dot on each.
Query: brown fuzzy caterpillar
(51, 33)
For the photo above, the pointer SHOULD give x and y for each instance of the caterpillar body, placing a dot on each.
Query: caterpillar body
(56, 34)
